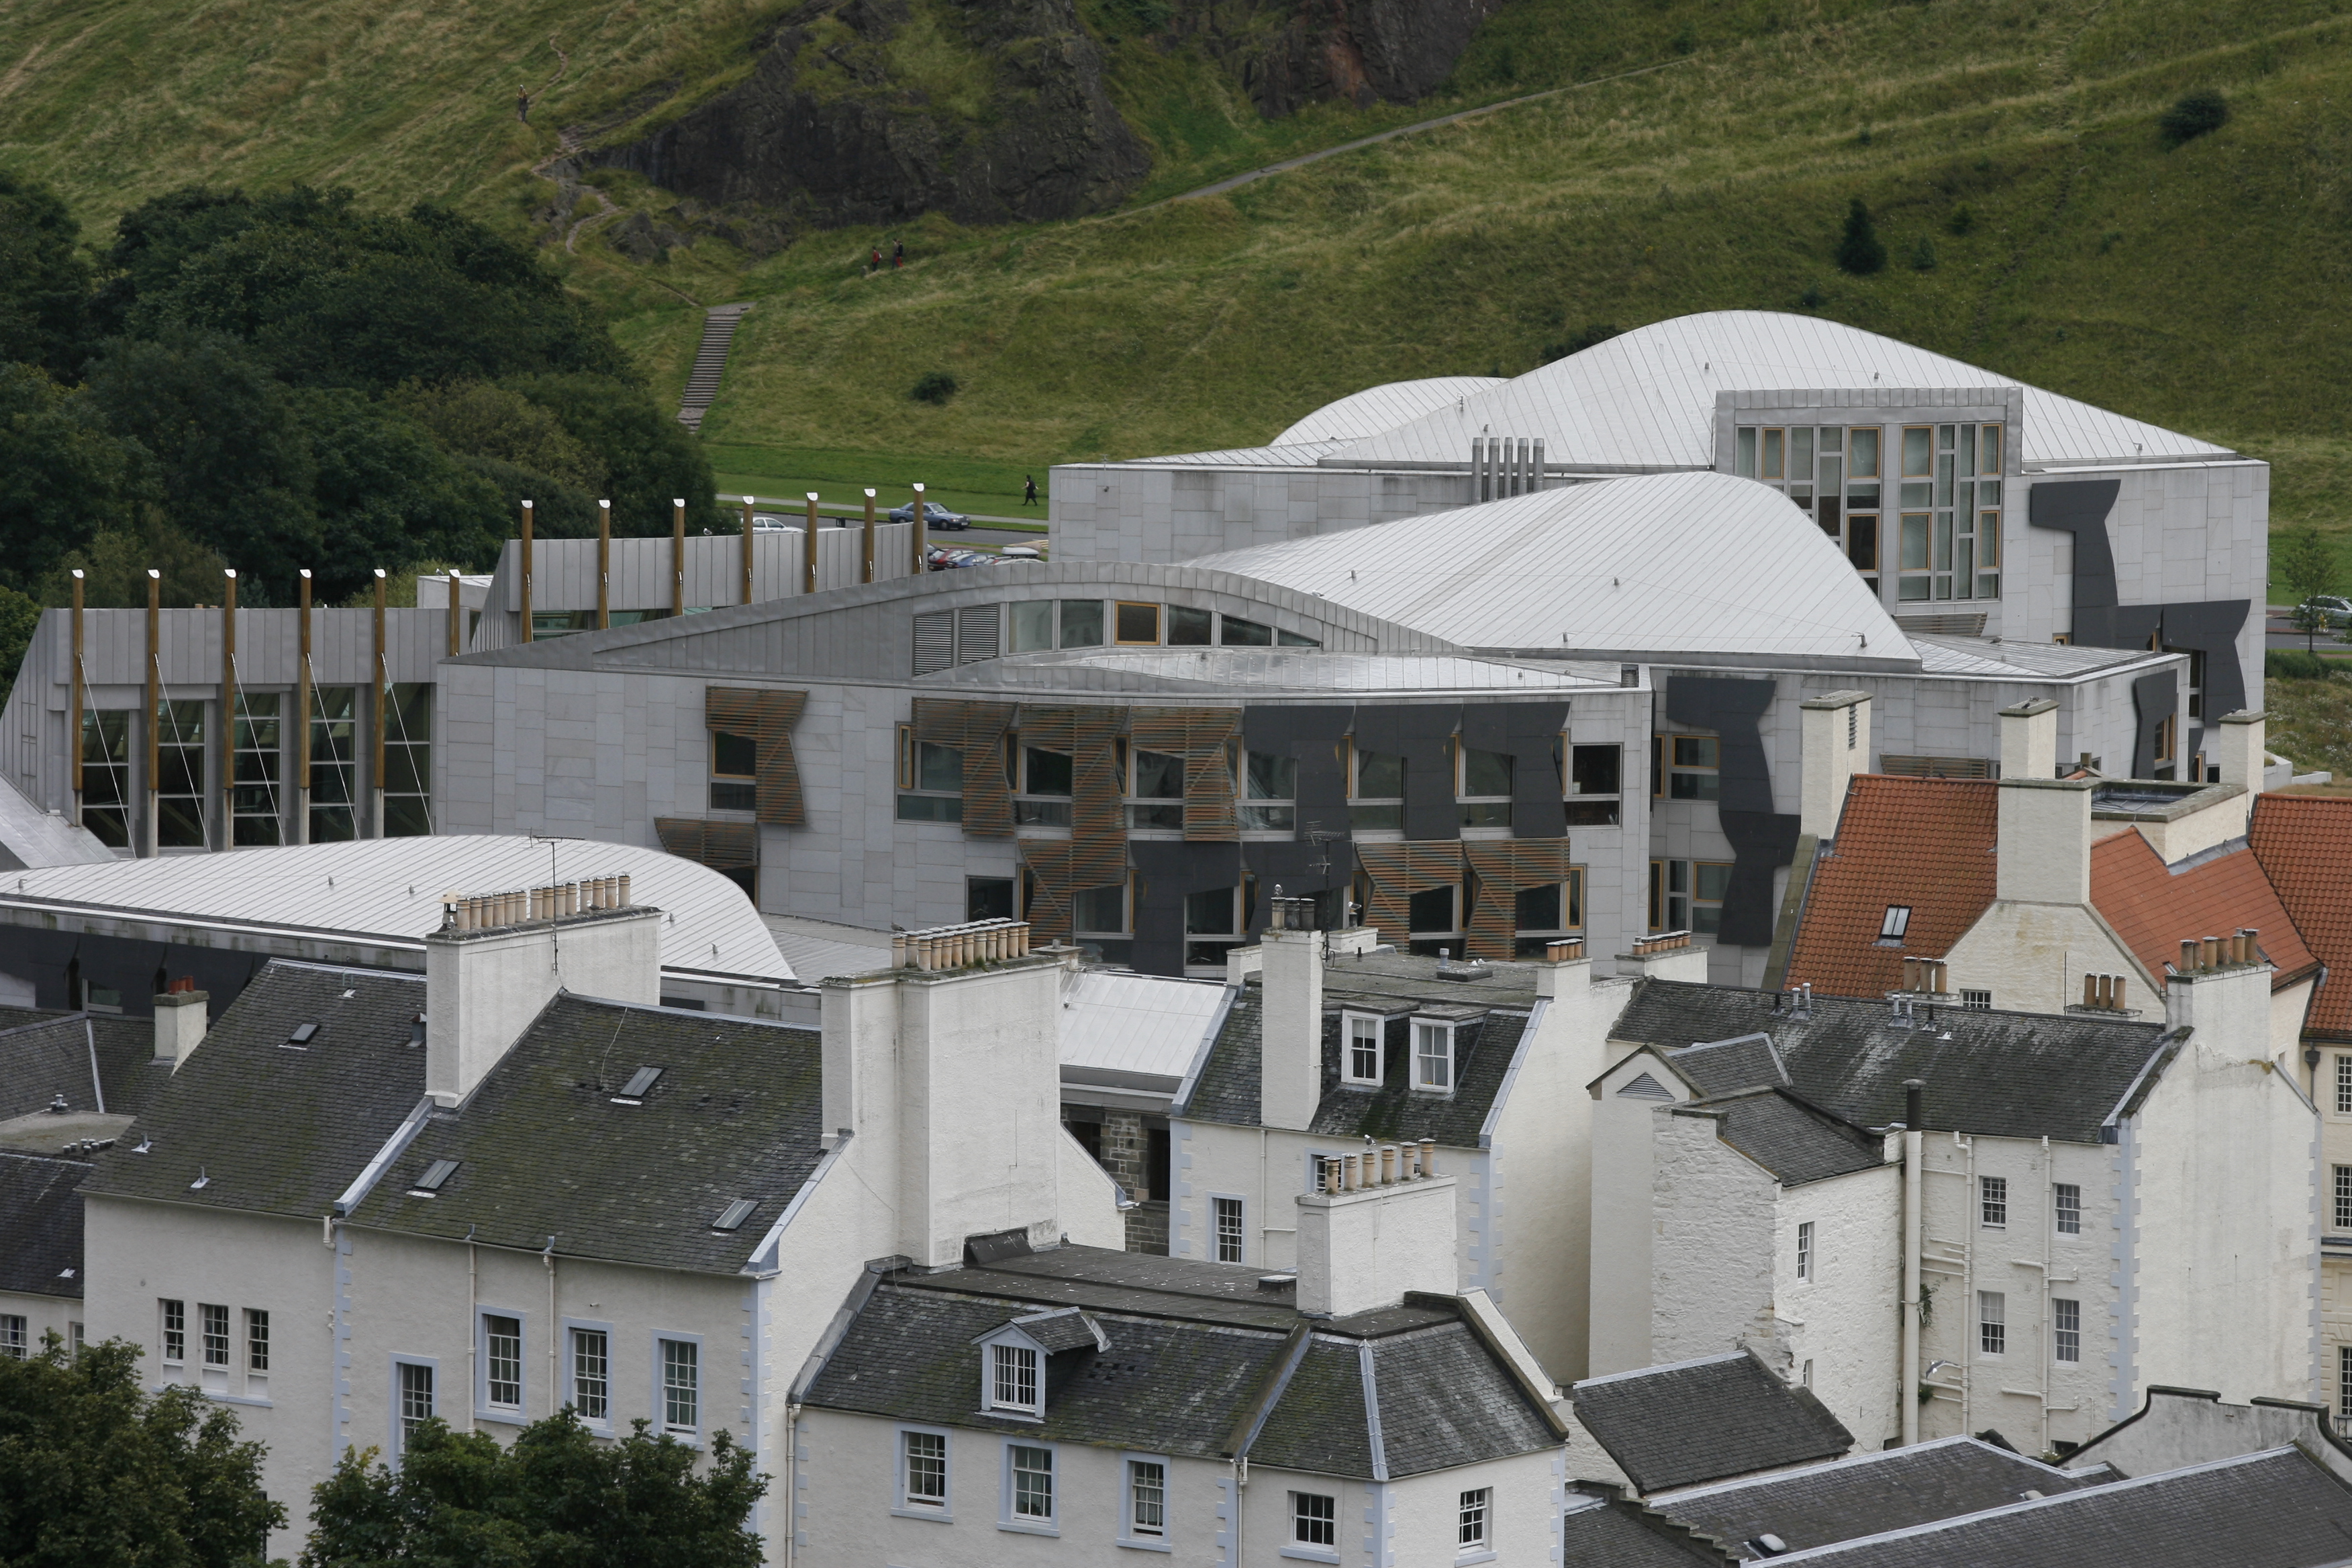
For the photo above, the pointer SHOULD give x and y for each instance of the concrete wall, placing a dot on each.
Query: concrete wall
(1175, 511)
(1841, 1330)
(848, 1471)
(1625, 1164)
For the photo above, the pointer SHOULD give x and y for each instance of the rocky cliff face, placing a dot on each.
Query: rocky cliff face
(1365, 52)
(1004, 118)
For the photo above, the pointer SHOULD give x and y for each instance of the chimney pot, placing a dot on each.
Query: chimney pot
(2212, 952)
(2189, 955)
(1429, 1157)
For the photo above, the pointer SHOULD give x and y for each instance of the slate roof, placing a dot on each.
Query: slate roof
(1226, 1087)
(1195, 1351)
(2276, 1508)
(45, 1054)
(2009, 1075)
(1869, 1493)
(2303, 842)
(40, 1224)
(1617, 1533)
(1928, 843)
(270, 1127)
(1695, 1421)
(1796, 1142)
(2154, 906)
(543, 1149)
(1060, 1331)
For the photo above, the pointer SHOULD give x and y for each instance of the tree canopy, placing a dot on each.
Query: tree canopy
(93, 1470)
(558, 1496)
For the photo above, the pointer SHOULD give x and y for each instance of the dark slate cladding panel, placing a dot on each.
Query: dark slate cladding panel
(1817, 1507)
(275, 1130)
(1445, 1401)
(1421, 735)
(1312, 735)
(40, 1224)
(2155, 699)
(1685, 1426)
(1762, 838)
(2272, 1508)
(1162, 1386)
(1292, 867)
(1168, 872)
(1319, 1423)
(1529, 732)
(2012, 1074)
(2080, 506)
(735, 1114)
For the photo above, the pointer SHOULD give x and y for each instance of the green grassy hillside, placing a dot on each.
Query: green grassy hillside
(2036, 221)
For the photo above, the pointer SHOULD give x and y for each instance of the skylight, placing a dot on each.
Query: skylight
(639, 1082)
(1898, 922)
(435, 1174)
(735, 1213)
(303, 1034)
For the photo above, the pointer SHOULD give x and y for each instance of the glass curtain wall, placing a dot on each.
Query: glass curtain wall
(334, 763)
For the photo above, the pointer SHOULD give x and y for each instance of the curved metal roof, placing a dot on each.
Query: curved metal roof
(392, 888)
(1383, 408)
(1647, 399)
(1654, 565)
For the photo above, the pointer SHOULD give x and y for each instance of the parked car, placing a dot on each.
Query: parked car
(2334, 612)
(946, 557)
(934, 516)
(765, 522)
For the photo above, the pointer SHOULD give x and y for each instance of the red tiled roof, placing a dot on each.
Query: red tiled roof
(1928, 843)
(2304, 845)
(2154, 908)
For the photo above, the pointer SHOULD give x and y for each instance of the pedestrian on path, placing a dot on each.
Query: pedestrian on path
(1029, 490)
(522, 107)
(898, 254)
(876, 263)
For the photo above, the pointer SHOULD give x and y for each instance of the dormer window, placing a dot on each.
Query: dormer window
(1013, 1379)
(1362, 1059)
(1433, 1055)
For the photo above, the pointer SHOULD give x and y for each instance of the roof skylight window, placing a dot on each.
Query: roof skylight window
(302, 1036)
(436, 1174)
(1898, 922)
(735, 1213)
(634, 1091)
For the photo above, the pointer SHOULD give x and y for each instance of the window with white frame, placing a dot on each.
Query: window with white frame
(1012, 1378)
(1470, 1522)
(2344, 1197)
(1993, 1322)
(1146, 1499)
(681, 1385)
(1229, 1229)
(1993, 1199)
(923, 1470)
(1313, 1518)
(1805, 1250)
(1361, 1061)
(1977, 1001)
(1031, 1489)
(1433, 1055)
(502, 1362)
(591, 1373)
(175, 1332)
(2066, 1329)
(13, 1342)
(2343, 1086)
(214, 1321)
(256, 1341)
(414, 1400)
(2343, 1388)
(2068, 1197)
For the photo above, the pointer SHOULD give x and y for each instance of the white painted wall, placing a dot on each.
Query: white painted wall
(1715, 1227)
(1624, 1195)
(1846, 1323)
(42, 1315)
(2033, 958)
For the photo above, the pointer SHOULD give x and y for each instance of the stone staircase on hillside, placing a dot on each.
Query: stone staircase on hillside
(719, 325)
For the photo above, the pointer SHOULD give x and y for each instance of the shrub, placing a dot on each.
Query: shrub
(1812, 298)
(1962, 221)
(2197, 115)
(1860, 251)
(1923, 255)
(935, 386)
(2292, 664)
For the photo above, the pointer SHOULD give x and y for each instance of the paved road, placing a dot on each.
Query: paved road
(2277, 633)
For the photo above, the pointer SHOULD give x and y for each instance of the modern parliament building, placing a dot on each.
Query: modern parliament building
(1499, 662)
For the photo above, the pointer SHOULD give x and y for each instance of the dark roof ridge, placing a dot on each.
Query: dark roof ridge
(908, 1279)
(1659, 1370)
(2242, 844)
(1865, 1456)
(1819, 998)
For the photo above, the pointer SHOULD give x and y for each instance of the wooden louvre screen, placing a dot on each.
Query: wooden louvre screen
(767, 717)
(1400, 871)
(1505, 869)
(721, 846)
(976, 729)
(1203, 738)
(1059, 870)
(1097, 796)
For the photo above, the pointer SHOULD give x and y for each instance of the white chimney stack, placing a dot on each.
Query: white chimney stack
(2044, 841)
(181, 1018)
(1290, 1016)
(949, 1075)
(2029, 740)
(1835, 747)
(1362, 1248)
(2238, 751)
(1669, 956)
(500, 957)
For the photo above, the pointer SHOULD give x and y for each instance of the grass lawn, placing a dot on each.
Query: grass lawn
(789, 473)
(2311, 721)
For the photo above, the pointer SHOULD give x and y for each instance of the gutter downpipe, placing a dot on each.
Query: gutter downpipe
(1913, 1094)
(473, 1325)
(553, 1365)
(1967, 1276)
